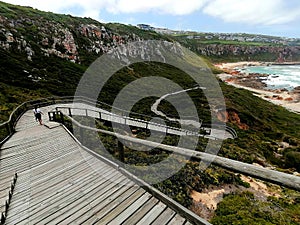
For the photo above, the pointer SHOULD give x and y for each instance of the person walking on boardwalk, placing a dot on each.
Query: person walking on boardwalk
(38, 114)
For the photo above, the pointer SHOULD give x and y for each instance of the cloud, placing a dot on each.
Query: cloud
(89, 8)
(173, 7)
(266, 12)
(254, 12)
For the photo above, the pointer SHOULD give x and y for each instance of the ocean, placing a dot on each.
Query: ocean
(280, 76)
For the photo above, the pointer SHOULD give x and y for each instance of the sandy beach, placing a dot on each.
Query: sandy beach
(288, 99)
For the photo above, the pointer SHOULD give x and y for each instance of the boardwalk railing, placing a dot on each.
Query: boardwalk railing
(7, 202)
(125, 120)
(8, 128)
(276, 177)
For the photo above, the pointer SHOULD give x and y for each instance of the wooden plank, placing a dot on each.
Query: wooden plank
(61, 208)
(95, 205)
(61, 194)
(81, 203)
(132, 209)
(55, 181)
(111, 204)
(141, 212)
(177, 220)
(20, 212)
(152, 214)
(164, 217)
(123, 205)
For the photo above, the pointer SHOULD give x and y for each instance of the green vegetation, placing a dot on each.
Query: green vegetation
(243, 208)
(242, 43)
(268, 126)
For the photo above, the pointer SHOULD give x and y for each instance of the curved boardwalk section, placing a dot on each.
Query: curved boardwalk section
(60, 183)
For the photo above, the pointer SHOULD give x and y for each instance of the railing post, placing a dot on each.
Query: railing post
(8, 128)
(6, 207)
(62, 118)
(2, 219)
(9, 197)
(70, 113)
(121, 151)
(81, 138)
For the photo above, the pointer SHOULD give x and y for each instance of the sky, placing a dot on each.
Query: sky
(269, 17)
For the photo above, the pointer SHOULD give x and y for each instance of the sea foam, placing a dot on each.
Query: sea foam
(280, 76)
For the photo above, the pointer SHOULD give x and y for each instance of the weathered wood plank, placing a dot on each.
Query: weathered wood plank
(141, 212)
(61, 194)
(152, 214)
(62, 207)
(96, 205)
(177, 220)
(139, 197)
(111, 204)
(164, 217)
(132, 209)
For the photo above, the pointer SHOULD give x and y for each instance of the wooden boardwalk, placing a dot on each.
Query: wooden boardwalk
(60, 183)
(82, 109)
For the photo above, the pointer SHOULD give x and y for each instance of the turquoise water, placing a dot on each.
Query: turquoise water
(280, 76)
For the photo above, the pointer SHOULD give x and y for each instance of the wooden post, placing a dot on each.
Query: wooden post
(8, 128)
(6, 207)
(12, 187)
(62, 118)
(121, 151)
(9, 197)
(81, 138)
(2, 219)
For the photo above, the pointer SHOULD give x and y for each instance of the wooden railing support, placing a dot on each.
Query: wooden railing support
(7, 202)
(121, 151)
(2, 218)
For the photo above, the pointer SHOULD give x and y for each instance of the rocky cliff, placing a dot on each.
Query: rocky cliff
(48, 51)
(32, 33)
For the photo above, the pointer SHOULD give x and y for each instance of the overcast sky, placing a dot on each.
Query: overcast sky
(271, 17)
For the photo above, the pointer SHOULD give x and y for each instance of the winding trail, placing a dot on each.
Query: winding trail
(154, 108)
(221, 133)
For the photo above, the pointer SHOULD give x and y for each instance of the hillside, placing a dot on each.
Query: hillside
(49, 52)
(220, 49)
(44, 54)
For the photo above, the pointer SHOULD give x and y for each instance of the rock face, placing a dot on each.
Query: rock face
(33, 36)
(232, 117)
(279, 53)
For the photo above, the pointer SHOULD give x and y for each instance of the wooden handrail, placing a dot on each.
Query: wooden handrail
(262, 173)
(147, 123)
(9, 125)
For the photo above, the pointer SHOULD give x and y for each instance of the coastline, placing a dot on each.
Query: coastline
(252, 82)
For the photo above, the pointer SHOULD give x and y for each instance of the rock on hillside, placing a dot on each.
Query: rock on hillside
(31, 32)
